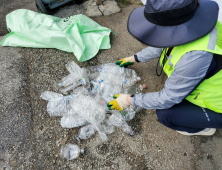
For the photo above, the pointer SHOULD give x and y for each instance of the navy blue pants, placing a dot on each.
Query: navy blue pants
(188, 117)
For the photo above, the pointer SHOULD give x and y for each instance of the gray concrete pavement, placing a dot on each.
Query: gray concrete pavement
(30, 139)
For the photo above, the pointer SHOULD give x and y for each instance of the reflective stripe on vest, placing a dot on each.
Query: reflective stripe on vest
(209, 93)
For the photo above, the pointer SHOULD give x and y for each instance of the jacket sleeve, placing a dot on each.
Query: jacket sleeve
(188, 72)
(148, 54)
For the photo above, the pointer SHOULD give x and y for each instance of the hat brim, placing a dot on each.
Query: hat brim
(202, 23)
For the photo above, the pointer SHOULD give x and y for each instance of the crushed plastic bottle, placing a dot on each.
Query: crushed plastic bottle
(76, 73)
(106, 89)
(85, 132)
(114, 69)
(81, 89)
(133, 90)
(112, 79)
(72, 120)
(47, 95)
(83, 81)
(106, 126)
(117, 120)
(97, 86)
(93, 76)
(74, 69)
(68, 80)
(59, 106)
(89, 108)
(106, 68)
(102, 134)
(128, 114)
(130, 81)
(71, 151)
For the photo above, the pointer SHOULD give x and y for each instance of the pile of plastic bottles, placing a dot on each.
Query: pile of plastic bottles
(87, 92)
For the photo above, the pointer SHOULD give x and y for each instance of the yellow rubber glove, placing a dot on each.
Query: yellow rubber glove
(126, 61)
(120, 103)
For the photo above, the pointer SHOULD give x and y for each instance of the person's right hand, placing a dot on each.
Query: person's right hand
(126, 61)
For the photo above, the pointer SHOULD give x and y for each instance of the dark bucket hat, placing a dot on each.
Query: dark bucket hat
(170, 23)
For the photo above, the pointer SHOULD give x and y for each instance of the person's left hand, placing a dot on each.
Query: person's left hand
(126, 61)
(120, 103)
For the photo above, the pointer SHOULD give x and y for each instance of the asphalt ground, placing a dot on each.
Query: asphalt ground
(30, 139)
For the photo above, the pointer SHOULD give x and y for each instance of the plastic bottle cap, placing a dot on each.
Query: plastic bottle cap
(131, 133)
(144, 86)
(60, 85)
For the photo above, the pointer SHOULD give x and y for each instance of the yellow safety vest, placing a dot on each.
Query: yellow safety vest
(209, 93)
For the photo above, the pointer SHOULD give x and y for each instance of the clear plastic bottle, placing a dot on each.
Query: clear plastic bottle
(106, 68)
(133, 90)
(97, 86)
(85, 132)
(117, 120)
(68, 80)
(59, 106)
(93, 76)
(71, 151)
(106, 88)
(102, 134)
(128, 114)
(73, 86)
(81, 89)
(106, 126)
(76, 73)
(111, 79)
(113, 68)
(130, 73)
(113, 76)
(47, 95)
(82, 81)
(130, 81)
(72, 120)
(95, 69)
(89, 108)
(110, 91)
(74, 68)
